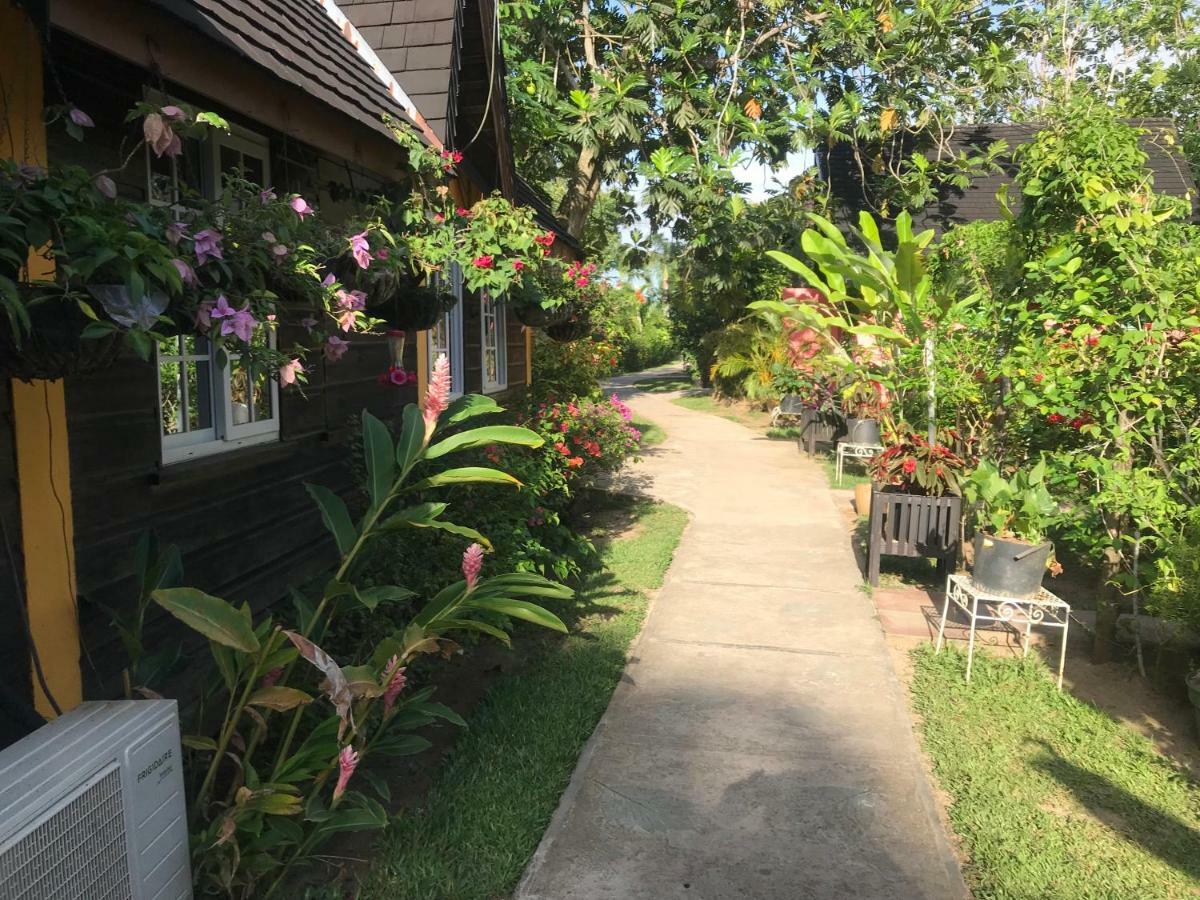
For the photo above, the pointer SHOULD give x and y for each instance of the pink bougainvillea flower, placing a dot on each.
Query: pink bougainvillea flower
(204, 316)
(347, 763)
(347, 320)
(241, 324)
(360, 247)
(80, 118)
(581, 282)
(221, 309)
(353, 300)
(269, 237)
(518, 265)
(439, 218)
(546, 240)
(463, 211)
(335, 348)
(280, 251)
(456, 157)
(472, 565)
(174, 113)
(175, 232)
(437, 396)
(288, 372)
(159, 135)
(208, 245)
(329, 280)
(266, 195)
(382, 253)
(301, 207)
(308, 322)
(106, 186)
(186, 273)
(393, 682)
(482, 262)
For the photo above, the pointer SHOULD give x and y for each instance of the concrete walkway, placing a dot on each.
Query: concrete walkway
(758, 747)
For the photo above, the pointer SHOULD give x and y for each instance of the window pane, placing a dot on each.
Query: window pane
(162, 179)
(261, 395)
(171, 397)
(239, 394)
(199, 385)
(252, 168)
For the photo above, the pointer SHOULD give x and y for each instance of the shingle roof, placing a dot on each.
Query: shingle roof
(977, 202)
(298, 42)
(420, 42)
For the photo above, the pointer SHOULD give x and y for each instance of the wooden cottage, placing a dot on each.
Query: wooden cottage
(89, 463)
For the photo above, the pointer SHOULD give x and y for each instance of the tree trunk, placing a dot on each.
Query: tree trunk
(1108, 607)
(582, 192)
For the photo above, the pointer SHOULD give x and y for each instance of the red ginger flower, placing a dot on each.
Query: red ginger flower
(438, 394)
(394, 680)
(472, 565)
(347, 763)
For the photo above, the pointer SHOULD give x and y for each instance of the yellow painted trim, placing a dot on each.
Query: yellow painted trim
(48, 537)
(422, 364)
(528, 356)
(40, 413)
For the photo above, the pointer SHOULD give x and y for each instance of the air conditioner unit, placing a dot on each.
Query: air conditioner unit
(92, 807)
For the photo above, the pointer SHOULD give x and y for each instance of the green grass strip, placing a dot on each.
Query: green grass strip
(1051, 796)
(652, 433)
(496, 793)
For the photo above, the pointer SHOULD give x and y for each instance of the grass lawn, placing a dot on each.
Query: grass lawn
(1052, 798)
(652, 433)
(704, 403)
(493, 798)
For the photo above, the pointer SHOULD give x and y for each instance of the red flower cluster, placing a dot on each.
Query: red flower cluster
(588, 435)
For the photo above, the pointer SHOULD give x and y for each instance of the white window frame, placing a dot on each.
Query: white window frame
(493, 308)
(224, 435)
(447, 335)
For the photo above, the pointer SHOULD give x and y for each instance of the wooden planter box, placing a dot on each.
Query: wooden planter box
(816, 428)
(911, 525)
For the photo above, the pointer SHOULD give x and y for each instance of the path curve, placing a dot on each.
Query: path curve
(758, 746)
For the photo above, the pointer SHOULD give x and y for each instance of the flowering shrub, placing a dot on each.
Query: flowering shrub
(277, 776)
(589, 437)
(570, 370)
(910, 462)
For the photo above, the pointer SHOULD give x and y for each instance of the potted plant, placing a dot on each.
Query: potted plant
(810, 396)
(916, 502)
(863, 403)
(1011, 550)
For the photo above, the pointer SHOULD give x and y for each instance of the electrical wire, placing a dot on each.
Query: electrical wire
(491, 74)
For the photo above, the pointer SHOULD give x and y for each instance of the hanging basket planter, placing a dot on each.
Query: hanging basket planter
(54, 347)
(413, 308)
(577, 326)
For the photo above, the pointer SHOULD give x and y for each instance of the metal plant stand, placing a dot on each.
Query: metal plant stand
(853, 451)
(1042, 609)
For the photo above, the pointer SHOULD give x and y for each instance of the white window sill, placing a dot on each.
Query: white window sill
(170, 455)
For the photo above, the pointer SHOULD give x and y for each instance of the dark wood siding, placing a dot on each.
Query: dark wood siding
(242, 519)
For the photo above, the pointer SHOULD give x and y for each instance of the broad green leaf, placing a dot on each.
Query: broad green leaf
(466, 475)
(412, 437)
(279, 698)
(387, 593)
(469, 406)
(475, 625)
(198, 742)
(446, 599)
(380, 458)
(444, 712)
(335, 516)
(419, 515)
(528, 584)
(481, 437)
(461, 531)
(518, 609)
(211, 616)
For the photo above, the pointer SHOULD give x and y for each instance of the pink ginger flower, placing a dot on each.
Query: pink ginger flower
(335, 348)
(360, 247)
(347, 763)
(301, 207)
(438, 395)
(208, 245)
(472, 565)
(288, 372)
(394, 680)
